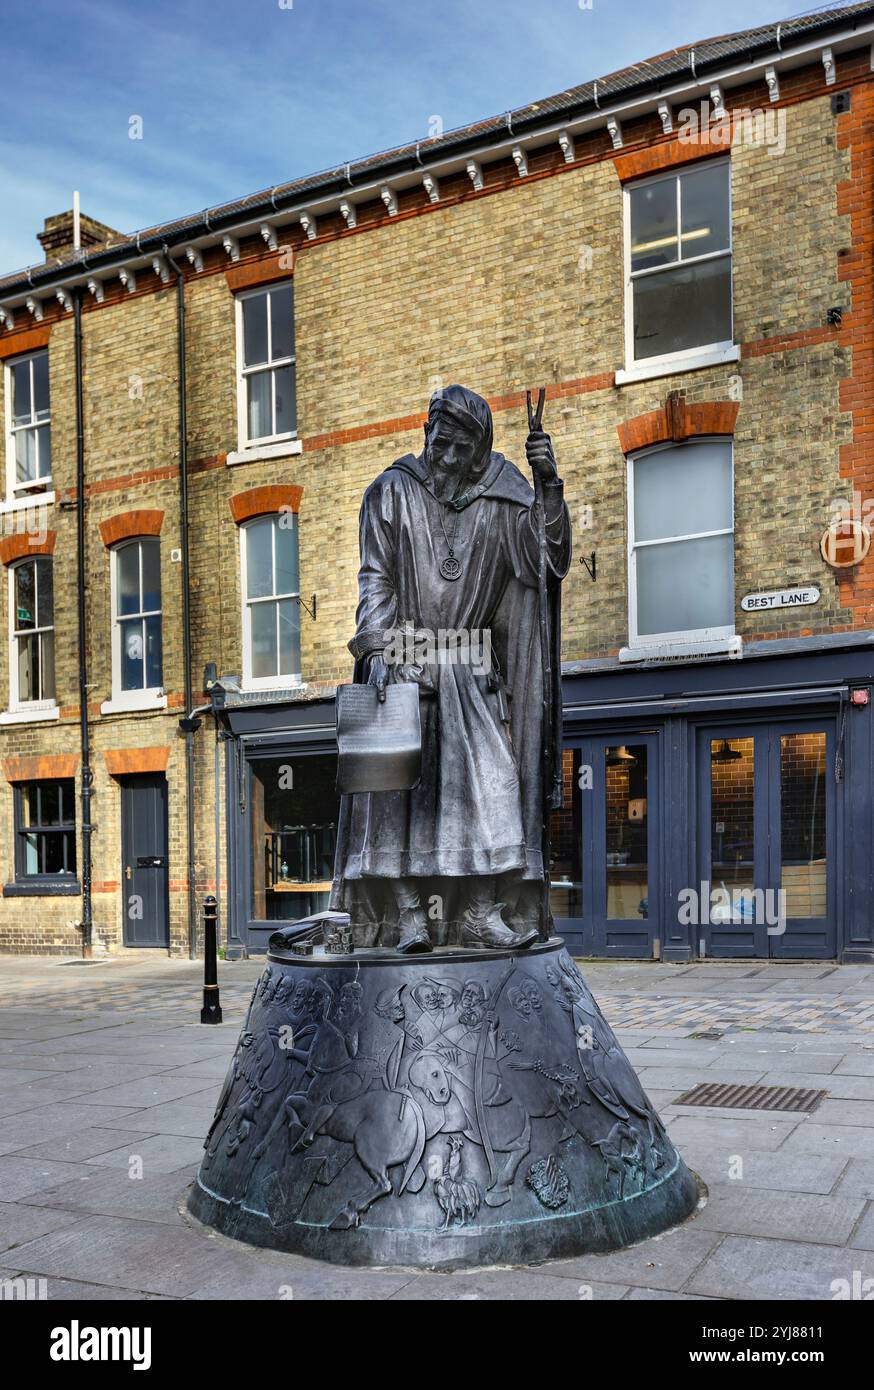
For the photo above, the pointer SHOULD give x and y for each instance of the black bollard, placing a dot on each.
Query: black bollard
(212, 1009)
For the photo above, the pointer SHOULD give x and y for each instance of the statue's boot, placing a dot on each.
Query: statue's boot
(488, 930)
(413, 926)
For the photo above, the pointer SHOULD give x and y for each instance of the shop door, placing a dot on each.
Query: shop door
(605, 890)
(766, 837)
(144, 861)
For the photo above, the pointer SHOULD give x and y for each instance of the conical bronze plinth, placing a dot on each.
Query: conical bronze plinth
(448, 1110)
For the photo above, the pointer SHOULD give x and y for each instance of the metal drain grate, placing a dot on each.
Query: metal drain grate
(737, 1097)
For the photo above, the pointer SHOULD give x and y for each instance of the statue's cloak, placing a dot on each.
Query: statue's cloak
(479, 807)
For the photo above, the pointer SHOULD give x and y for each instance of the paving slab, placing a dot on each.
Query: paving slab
(37, 1126)
(745, 1268)
(852, 1141)
(858, 1179)
(111, 1192)
(84, 1144)
(810, 1217)
(519, 1285)
(160, 1153)
(147, 1256)
(665, 1262)
(190, 1117)
(783, 1171)
(19, 1224)
(761, 1131)
(22, 1177)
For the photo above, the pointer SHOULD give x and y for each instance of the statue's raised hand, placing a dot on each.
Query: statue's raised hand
(541, 459)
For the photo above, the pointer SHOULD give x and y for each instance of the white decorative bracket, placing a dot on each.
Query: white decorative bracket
(7, 318)
(389, 199)
(269, 235)
(195, 257)
(520, 159)
(432, 187)
(475, 174)
(34, 307)
(308, 222)
(348, 213)
(566, 141)
(717, 102)
(773, 84)
(828, 62)
(666, 117)
(232, 247)
(160, 267)
(614, 130)
(128, 279)
(95, 287)
(64, 300)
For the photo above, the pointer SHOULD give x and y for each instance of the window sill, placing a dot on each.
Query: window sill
(256, 453)
(21, 503)
(30, 714)
(690, 362)
(730, 645)
(45, 888)
(134, 703)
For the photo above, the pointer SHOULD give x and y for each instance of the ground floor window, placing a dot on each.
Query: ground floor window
(294, 825)
(45, 825)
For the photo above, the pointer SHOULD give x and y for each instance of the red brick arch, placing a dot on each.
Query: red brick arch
(676, 422)
(265, 501)
(125, 525)
(24, 544)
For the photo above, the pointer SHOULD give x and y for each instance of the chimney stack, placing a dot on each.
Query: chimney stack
(56, 237)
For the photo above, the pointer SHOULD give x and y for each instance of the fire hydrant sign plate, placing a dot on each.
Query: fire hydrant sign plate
(781, 598)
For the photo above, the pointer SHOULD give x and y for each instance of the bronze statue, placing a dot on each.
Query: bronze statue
(451, 598)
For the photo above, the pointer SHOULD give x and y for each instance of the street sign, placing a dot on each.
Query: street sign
(781, 598)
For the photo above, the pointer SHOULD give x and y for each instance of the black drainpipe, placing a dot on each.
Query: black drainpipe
(85, 742)
(186, 603)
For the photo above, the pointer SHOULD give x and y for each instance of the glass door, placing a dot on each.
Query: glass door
(604, 865)
(766, 820)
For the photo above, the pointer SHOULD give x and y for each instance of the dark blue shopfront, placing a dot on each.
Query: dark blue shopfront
(718, 809)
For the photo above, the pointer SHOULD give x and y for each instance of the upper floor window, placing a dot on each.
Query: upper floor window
(32, 632)
(271, 608)
(29, 430)
(678, 264)
(681, 538)
(137, 663)
(266, 360)
(45, 825)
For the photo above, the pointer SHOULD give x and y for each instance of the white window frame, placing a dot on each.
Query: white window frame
(149, 697)
(250, 682)
(14, 489)
(263, 443)
(17, 706)
(702, 354)
(704, 638)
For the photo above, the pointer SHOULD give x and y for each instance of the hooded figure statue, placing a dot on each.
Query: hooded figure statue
(449, 547)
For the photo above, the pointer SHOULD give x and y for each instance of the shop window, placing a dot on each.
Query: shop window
(294, 807)
(681, 540)
(45, 831)
(678, 264)
(271, 607)
(32, 632)
(29, 429)
(137, 659)
(266, 391)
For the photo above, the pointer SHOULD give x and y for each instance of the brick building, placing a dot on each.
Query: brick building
(682, 253)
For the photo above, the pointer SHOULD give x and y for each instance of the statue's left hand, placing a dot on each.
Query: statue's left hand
(541, 459)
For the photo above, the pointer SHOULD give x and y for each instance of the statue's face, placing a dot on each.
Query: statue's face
(428, 999)
(472, 996)
(449, 447)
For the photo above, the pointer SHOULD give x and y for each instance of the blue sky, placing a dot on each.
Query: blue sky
(237, 95)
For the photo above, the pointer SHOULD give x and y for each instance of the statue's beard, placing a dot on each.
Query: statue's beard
(449, 481)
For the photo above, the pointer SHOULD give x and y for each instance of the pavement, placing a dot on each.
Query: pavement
(108, 1082)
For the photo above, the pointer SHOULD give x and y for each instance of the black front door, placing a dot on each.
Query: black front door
(145, 905)
(767, 828)
(605, 885)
